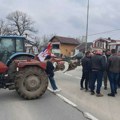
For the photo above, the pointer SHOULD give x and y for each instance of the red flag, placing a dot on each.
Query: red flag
(45, 52)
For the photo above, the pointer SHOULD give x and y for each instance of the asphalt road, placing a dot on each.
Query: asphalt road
(98, 108)
(48, 107)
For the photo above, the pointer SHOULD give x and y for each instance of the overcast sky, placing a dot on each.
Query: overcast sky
(68, 17)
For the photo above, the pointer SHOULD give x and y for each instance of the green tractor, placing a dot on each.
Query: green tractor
(19, 70)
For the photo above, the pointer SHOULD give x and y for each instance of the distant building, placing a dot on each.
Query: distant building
(106, 43)
(81, 46)
(31, 47)
(63, 45)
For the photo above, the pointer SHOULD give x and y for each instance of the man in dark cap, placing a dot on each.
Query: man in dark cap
(98, 66)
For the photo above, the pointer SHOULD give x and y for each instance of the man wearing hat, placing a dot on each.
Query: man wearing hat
(98, 66)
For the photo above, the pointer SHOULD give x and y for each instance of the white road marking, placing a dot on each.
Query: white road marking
(86, 114)
(91, 117)
(50, 89)
(63, 98)
(66, 100)
(78, 77)
(72, 75)
(67, 74)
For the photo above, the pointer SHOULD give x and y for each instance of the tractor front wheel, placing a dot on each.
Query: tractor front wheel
(31, 82)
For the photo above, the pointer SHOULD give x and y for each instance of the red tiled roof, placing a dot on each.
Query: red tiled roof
(66, 40)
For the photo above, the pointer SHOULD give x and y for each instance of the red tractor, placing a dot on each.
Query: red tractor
(19, 70)
(30, 80)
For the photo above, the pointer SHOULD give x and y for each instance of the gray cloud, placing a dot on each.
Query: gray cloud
(68, 17)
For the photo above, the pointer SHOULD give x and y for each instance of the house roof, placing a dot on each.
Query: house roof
(66, 40)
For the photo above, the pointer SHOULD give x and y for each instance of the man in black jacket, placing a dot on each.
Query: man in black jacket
(98, 67)
(50, 72)
(86, 68)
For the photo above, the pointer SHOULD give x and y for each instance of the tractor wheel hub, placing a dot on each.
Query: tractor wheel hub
(32, 83)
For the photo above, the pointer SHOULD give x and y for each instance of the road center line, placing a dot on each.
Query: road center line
(78, 78)
(63, 98)
(68, 74)
(66, 100)
(91, 117)
(86, 114)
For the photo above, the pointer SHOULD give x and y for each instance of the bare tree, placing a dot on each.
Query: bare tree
(42, 41)
(45, 39)
(20, 23)
(4, 30)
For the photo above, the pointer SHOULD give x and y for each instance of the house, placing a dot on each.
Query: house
(81, 46)
(31, 47)
(106, 43)
(63, 45)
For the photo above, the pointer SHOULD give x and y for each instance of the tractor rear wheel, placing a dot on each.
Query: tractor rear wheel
(31, 82)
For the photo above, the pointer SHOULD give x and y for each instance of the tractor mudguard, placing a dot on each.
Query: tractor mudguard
(18, 55)
(3, 68)
(31, 62)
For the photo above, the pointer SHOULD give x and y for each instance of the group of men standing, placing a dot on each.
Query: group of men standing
(98, 66)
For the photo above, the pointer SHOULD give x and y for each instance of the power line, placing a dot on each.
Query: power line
(104, 32)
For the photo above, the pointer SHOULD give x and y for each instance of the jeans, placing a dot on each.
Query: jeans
(96, 75)
(105, 74)
(52, 82)
(82, 79)
(85, 76)
(113, 77)
(118, 81)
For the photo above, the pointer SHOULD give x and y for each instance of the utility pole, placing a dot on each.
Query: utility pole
(87, 26)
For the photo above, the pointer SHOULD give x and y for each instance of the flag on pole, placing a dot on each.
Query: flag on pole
(45, 52)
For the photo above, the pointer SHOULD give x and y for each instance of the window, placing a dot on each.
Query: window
(118, 49)
(7, 44)
(19, 45)
(55, 46)
(6, 48)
